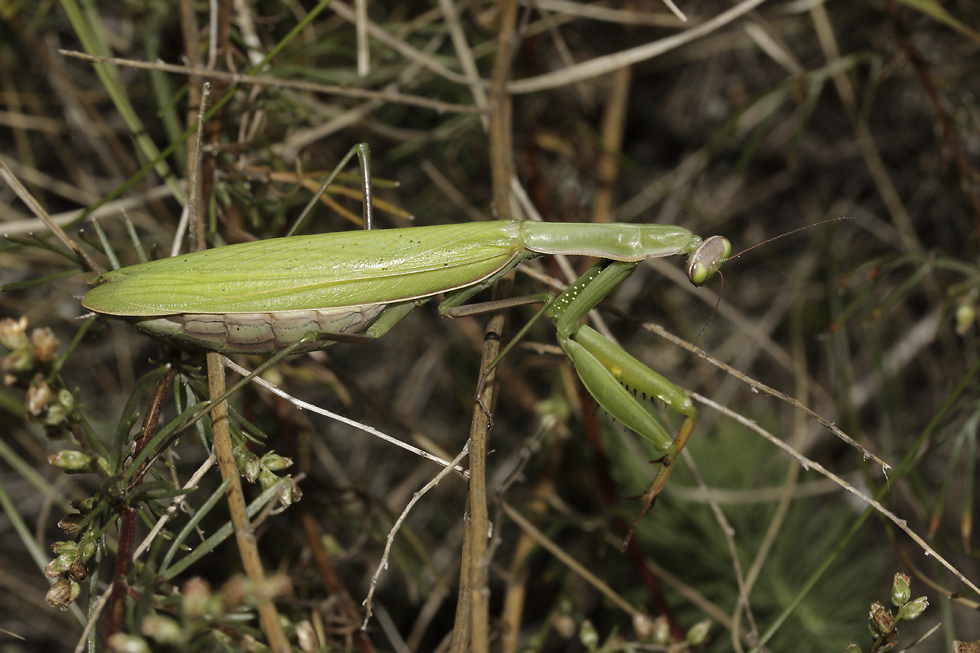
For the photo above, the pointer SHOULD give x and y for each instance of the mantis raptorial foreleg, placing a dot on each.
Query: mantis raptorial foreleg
(620, 383)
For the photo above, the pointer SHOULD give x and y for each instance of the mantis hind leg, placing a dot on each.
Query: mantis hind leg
(363, 153)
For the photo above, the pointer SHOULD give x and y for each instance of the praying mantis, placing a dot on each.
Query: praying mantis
(355, 286)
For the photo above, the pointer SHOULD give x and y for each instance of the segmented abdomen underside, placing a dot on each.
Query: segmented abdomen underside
(253, 333)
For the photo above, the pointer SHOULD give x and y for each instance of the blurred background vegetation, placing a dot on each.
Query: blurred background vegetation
(749, 120)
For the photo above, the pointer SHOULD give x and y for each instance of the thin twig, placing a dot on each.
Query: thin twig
(398, 524)
(302, 405)
(332, 584)
(600, 66)
(810, 464)
(275, 82)
(729, 534)
(759, 387)
(189, 486)
(863, 137)
(576, 567)
(21, 191)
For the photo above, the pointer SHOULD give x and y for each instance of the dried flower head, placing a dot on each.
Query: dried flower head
(62, 593)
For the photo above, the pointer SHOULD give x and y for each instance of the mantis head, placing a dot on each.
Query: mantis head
(707, 258)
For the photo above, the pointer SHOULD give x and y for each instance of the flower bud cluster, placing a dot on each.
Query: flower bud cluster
(655, 632)
(252, 468)
(198, 617)
(70, 559)
(883, 624)
(30, 365)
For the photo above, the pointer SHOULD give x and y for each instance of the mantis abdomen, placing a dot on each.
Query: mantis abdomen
(253, 333)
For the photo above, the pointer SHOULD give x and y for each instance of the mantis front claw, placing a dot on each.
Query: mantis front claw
(660, 480)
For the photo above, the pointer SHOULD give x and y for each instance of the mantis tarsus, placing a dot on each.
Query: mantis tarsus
(355, 286)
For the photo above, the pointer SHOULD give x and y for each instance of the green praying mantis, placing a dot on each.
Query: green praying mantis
(354, 286)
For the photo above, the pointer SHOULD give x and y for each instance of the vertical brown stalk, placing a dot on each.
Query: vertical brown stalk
(244, 534)
(473, 607)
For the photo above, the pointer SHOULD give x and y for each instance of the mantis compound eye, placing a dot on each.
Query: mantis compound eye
(707, 258)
